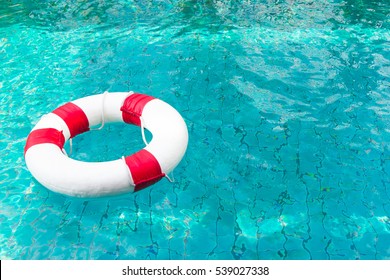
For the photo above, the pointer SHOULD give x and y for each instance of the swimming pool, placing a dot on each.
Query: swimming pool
(287, 108)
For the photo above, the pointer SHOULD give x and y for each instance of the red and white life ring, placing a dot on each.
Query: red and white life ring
(48, 163)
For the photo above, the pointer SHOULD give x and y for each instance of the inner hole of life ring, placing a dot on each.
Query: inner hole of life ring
(111, 142)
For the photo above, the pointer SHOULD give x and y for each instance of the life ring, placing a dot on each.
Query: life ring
(47, 162)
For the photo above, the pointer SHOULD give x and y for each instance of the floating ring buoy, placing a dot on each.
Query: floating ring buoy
(49, 164)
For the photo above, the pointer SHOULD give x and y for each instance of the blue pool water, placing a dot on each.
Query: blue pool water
(287, 106)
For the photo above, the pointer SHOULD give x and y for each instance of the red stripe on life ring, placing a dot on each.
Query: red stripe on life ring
(74, 117)
(144, 169)
(45, 135)
(133, 106)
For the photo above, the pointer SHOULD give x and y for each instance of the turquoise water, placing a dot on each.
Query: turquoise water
(287, 106)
